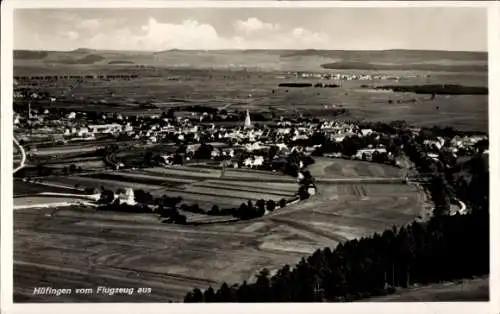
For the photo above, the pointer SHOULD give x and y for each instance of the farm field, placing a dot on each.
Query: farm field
(27, 188)
(343, 168)
(45, 201)
(82, 247)
(468, 112)
(200, 185)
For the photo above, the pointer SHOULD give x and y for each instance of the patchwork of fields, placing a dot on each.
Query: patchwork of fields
(79, 247)
(197, 184)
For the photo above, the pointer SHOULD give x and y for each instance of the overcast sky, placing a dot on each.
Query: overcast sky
(252, 28)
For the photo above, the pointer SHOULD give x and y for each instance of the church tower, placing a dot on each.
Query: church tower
(248, 122)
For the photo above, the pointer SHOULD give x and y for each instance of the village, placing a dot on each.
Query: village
(335, 138)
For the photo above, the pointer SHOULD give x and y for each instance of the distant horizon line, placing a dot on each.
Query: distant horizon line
(256, 49)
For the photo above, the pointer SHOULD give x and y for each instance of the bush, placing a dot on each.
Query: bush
(303, 193)
(195, 208)
(271, 205)
(180, 219)
(282, 203)
(261, 204)
(214, 210)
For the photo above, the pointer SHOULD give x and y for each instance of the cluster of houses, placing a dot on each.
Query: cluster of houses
(72, 77)
(457, 146)
(73, 126)
(345, 76)
(226, 141)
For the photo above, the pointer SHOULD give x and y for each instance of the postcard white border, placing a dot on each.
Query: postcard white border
(6, 160)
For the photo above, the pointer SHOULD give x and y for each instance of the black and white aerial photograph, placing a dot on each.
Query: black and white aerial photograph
(250, 154)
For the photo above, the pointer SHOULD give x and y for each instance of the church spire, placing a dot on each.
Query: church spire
(248, 122)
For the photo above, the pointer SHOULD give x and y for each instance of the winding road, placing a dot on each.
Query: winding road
(23, 156)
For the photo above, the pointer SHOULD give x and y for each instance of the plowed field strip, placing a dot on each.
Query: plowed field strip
(243, 194)
(114, 184)
(320, 235)
(189, 169)
(183, 172)
(279, 186)
(141, 179)
(227, 186)
(356, 217)
(223, 194)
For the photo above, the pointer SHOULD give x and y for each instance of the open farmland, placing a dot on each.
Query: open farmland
(132, 250)
(468, 112)
(220, 78)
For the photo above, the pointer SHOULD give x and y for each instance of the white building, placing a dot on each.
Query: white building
(105, 128)
(127, 197)
(366, 132)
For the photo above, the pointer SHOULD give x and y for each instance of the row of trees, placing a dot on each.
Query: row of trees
(440, 190)
(167, 207)
(247, 210)
(420, 253)
(470, 181)
(43, 171)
